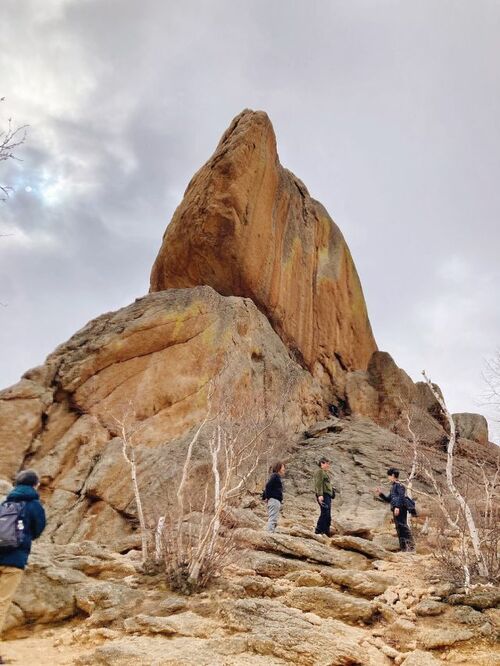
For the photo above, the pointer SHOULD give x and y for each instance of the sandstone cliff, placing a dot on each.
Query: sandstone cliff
(248, 227)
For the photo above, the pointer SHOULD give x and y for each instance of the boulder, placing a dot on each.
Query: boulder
(387, 541)
(479, 598)
(394, 387)
(61, 580)
(331, 604)
(273, 565)
(307, 549)
(420, 658)
(248, 227)
(368, 584)
(467, 615)
(151, 363)
(181, 651)
(432, 639)
(136, 354)
(182, 624)
(275, 630)
(473, 427)
(307, 578)
(360, 545)
(429, 607)
(388, 396)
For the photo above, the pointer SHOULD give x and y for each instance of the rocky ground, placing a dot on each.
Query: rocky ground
(288, 598)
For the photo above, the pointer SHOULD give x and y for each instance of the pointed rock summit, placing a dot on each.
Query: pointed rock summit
(248, 227)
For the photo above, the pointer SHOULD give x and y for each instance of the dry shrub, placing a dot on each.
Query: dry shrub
(452, 545)
(194, 535)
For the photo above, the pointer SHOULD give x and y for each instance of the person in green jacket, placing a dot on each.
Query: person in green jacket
(324, 492)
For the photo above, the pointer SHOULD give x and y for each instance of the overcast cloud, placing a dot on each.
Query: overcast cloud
(388, 111)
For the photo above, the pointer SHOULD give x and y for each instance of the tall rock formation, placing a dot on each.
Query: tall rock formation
(253, 278)
(248, 227)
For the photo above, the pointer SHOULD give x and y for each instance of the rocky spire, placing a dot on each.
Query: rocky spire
(248, 227)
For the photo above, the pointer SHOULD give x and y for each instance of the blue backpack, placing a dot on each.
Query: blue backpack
(11, 525)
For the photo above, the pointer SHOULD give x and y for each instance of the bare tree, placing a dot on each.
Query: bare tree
(128, 429)
(463, 508)
(491, 376)
(196, 542)
(11, 138)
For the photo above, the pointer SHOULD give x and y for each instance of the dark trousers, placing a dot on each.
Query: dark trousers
(325, 516)
(404, 533)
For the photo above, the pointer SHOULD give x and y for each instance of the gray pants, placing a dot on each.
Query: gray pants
(273, 512)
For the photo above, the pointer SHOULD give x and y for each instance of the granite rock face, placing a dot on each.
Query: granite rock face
(387, 395)
(248, 227)
(149, 366)
(21, 417)
(473, 427)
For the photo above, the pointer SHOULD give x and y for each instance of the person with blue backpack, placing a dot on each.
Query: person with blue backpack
(401, 505)
(22, 519)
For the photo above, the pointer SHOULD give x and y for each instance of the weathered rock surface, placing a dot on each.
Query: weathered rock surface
(439, 638)
(429, 607)
(182, 651)
(421, 658)
(183, 624)
(481, 598)
(353, 445)
(136, 354)
(359, 545)
(306, 549)
(60, 581)
(388, 396)
(248, 227)
(159, 354)
(331, 604)
(473, 427)
(22, 407)
(276, 630)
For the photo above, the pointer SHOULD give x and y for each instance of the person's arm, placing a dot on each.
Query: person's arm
(380, 495)
(37, 519)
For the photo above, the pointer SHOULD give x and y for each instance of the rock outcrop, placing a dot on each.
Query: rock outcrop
(22, 408)
(473, 427)
(248, 227)
(157, 357)
(387, 395)
(255, 310)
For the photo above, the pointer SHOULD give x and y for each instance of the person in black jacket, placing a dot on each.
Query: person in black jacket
(396, 499)
(273, 494)
(14, 560)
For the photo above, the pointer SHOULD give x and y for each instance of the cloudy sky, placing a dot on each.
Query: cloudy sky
(388, 111)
